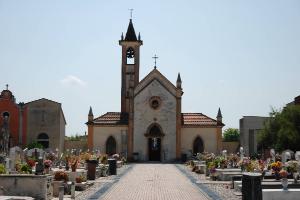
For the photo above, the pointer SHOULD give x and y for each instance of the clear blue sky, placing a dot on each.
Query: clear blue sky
(242, 56)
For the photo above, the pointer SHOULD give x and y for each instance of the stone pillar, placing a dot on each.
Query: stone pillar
(251, 186)
(178, 127)
(90, 136)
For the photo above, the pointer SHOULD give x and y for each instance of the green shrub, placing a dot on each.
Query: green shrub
(2, 169)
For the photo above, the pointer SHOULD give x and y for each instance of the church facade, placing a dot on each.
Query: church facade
(151, 124)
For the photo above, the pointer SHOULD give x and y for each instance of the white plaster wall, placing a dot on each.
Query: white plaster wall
(208, 135)
(165, 116)
(102, 133)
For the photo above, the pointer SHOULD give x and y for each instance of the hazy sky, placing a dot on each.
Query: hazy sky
(242, 56)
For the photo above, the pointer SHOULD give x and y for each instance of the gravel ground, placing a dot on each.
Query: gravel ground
(221, 188)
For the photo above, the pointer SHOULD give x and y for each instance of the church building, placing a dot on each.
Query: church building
(151, 125)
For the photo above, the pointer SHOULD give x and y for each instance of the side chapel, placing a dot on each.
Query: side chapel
(151, 123)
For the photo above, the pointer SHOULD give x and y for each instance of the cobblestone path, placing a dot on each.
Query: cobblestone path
(154, 182)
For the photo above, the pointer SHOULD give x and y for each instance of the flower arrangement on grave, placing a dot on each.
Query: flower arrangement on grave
(2, 169)
(276, 167)
(233, 160)
(292, 166)
(31, 162)
(103, 159)
(47, 163)
(246, 164)
(61, 176)
(73, 162)
(283, 173)
(80, 179)
(51, 156)
(223, 162)
(26, 169)
(85, 156)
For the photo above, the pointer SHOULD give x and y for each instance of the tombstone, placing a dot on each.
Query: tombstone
(39, 168)
(297, 156)
(287, 155)
(272, 153)
(224, 153)
(15, 154)
(7, 165)
(241, 153)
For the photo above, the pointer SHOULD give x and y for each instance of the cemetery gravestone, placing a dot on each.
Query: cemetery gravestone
(287, 155)
(297, 155)
(272, 153)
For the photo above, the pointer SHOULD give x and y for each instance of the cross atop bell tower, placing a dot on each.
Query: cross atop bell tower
(130, 64)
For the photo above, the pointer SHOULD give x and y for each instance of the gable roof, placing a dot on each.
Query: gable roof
(199, 119)
(44, 99)
(111, 118)
(155, 75)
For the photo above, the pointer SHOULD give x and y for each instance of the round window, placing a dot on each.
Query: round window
(155, 102)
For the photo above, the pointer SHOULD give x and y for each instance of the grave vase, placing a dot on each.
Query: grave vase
(284, 183)
(295, 176)
(46, 170)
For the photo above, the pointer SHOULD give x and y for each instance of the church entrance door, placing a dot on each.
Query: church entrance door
(154, 146)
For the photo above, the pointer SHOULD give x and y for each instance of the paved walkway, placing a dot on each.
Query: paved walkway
(154, 182)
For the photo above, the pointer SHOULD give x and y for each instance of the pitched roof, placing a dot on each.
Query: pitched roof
(130, 34)
(198, 119)
(112, 118)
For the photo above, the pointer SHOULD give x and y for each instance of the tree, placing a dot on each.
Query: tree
(231, 135)
(282, 130)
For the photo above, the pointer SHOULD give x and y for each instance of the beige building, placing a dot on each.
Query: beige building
(151, 123)
(46, 123)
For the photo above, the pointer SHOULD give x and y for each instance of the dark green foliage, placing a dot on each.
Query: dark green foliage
(231, 135)
(34, 144)
(282, 130)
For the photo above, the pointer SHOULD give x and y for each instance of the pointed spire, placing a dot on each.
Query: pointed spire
(122, 36)
(130, 34)
(219, 113)
(178, 82)
(91, 111)
(139, 37)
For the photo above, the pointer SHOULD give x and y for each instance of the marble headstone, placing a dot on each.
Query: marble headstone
(287, 155)
(272, 154)
(297, 155)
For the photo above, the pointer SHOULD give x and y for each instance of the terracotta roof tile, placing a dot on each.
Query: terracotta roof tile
(112, 118)
(198, 119)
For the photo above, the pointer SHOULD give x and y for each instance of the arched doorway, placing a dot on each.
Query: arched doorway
(111, 145)
(154, 142)
(198, 146)
(43, 139)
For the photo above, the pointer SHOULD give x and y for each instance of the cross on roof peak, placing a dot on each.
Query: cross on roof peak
(155, 57)
(131, 10)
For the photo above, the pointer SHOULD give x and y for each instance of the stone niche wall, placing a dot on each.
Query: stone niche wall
(165, 116)
(36, 186)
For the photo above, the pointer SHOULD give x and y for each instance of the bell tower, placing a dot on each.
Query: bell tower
(130, 65)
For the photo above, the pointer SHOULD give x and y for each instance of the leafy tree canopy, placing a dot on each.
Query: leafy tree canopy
(282, 130)
(231, 135)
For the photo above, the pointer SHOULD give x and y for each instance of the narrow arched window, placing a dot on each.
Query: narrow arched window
(130, 55)
(43, 139)
(198, 145)
(111, 145)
